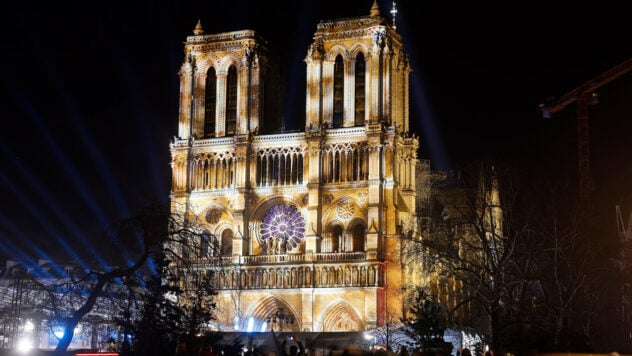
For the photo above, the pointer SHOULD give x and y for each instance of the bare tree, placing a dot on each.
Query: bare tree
(389, 332)
(568, 270)
(476, 251)
(153, 234)
(427, 323)
(569, 262)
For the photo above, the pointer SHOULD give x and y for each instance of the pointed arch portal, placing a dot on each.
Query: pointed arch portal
(264, 318)
(341, 317)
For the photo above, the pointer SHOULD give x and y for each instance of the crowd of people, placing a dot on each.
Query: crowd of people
(293, 346)
(296, 349)
(205, 350)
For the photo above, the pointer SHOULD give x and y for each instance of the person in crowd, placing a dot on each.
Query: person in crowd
(402, 351)
(294, 350)
(207, 350)
(181, 349)
(111, 345)
(298, 349)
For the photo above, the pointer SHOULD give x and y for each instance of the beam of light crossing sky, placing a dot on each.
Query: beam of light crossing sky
(429, 133)
(54, 206)
(26, 261)
(72, 174)
(99, 163)
(134, 93)
(426, 120)
(95, 154)
(12, 250)
(58, 236)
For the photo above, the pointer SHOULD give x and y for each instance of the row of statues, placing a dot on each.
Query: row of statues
(278, 246)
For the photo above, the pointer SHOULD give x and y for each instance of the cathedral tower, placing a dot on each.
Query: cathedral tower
(309, 223)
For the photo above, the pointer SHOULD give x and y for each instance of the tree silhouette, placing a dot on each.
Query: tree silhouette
(151, 263)
(426, 324)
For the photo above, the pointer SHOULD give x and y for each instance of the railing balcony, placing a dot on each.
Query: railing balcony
(318, 270)
(237, 277)
(339, 256)
(259, 259)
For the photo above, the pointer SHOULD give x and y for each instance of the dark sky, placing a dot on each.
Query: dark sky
(90, 94)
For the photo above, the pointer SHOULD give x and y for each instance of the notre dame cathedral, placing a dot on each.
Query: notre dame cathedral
(309, 223)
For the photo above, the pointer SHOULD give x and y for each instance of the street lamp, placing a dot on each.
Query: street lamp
(369, 337)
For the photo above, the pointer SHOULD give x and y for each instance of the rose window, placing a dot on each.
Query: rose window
(345, 209)
(282, 229)
(213, 216)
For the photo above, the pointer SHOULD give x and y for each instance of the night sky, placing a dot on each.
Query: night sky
(90, 96)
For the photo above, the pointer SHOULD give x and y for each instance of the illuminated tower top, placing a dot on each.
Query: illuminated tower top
(357, 74)
(225, 83)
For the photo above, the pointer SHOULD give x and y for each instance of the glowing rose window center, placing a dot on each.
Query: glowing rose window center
(282, 229)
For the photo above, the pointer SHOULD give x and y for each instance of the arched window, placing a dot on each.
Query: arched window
(263, 176)
(358, 238)
(339, 90)
(360, 68)
(337, 155)
(210, 97)
(227, 242)
(336, 236)
(231, 101)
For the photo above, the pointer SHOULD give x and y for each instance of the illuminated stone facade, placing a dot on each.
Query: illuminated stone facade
(308, 222)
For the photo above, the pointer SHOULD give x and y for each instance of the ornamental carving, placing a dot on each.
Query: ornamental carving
(379, 38)
(328, 198)
(345, 322)
(316, 49)
(362, 197)
(254, 199)
(213, 215)
(251, 56)
(345, 209)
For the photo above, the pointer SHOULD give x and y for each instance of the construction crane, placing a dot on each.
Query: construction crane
(624, 231)
(585, 95)
(625, 235)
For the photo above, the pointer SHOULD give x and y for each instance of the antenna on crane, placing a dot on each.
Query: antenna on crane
(394, 14)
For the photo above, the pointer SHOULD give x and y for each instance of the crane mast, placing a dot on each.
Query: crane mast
(625, 232)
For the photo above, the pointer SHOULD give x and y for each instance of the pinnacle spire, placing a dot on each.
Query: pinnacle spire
(375, 10)
(198, 30)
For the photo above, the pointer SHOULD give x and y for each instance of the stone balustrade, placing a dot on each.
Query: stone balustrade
(358, 269)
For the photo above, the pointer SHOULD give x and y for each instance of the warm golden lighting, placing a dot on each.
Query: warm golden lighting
(314, 217)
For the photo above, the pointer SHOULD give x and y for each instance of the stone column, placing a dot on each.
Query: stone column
(220, 106)
(314, 94)
(349, 93)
